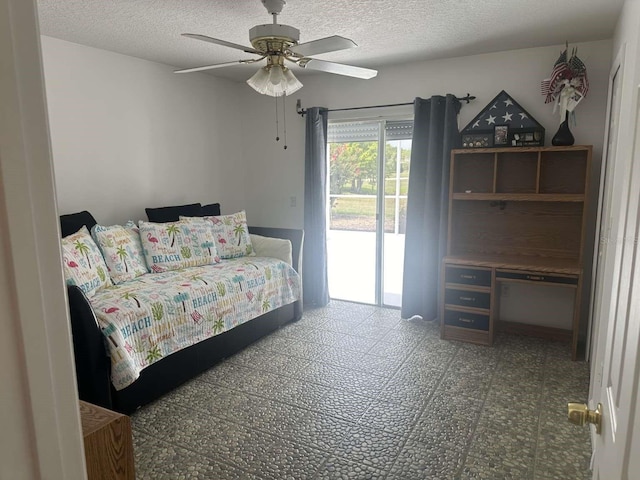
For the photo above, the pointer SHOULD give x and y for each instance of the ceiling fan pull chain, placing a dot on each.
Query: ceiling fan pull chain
(277, 125)
(284, 118)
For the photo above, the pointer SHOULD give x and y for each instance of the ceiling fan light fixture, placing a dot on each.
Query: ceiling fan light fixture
(275, 81)
(260, 80)
(276, 76)
(293, 84)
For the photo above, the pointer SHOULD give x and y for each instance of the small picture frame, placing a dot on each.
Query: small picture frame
(500, 135)
(528, 137)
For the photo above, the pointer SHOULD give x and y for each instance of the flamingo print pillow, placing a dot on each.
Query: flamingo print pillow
(171, 246)
(122, 251)
(83, 263)
(231, 235)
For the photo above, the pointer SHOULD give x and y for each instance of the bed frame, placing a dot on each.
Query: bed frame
(93, 366)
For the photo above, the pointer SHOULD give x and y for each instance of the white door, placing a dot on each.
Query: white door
(617, 308)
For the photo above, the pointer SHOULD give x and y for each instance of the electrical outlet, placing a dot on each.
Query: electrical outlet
(504, 289)
(293, 201)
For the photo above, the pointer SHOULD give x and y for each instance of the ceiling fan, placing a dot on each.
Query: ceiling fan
(279, 43)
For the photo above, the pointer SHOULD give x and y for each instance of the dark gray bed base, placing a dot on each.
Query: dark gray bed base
(93, 367)
(165, 375)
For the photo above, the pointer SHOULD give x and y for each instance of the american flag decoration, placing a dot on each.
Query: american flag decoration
(560, 72)
(515, 126)
(568, 83)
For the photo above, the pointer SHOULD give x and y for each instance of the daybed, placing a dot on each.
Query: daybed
(95, 358)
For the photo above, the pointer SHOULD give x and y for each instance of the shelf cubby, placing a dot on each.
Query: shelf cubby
(517, 172)
(474, 173)
(563, 172)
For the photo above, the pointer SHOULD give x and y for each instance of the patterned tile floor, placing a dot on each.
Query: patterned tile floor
(354, 392)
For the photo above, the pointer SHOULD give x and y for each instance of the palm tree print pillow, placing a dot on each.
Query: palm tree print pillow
(83, 263)
(231, 235)
(122, 251)
(176, 245)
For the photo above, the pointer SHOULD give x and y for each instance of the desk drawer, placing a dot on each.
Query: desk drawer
(466, 320)
(536, 277)
(465, 298)
(468, 276)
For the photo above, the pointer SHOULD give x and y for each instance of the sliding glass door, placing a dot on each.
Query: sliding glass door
(368, 171)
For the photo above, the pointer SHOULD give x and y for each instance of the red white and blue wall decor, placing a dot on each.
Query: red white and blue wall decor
(503, 123)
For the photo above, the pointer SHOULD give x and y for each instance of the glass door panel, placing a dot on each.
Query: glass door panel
(351, 236)
(396, 176)
(365, 235)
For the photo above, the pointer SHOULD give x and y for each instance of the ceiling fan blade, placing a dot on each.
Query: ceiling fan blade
(339, 68)
(217, 65)
(323, 45)
(224, 43)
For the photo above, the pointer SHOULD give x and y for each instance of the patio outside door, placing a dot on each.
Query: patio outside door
(366, 231)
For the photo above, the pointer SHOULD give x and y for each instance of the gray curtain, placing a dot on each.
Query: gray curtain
(314, 271)
(435, 133)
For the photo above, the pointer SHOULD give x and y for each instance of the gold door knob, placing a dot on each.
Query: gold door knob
(580, 414)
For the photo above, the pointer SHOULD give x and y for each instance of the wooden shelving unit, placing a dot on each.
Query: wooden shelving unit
(515, 215)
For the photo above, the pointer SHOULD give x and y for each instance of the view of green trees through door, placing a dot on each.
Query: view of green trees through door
(366, 250)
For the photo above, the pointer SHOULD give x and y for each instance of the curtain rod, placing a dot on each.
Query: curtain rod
(301, 111)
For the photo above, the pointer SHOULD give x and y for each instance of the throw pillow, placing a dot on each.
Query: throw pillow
(173, 212)
(122, 251)
(231, 235)
(72, 222)
(83, 263)
(171, 246)
(211, 210)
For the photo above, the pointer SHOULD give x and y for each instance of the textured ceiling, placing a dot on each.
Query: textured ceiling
(387, 31)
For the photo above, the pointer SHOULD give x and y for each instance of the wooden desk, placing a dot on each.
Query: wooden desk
(470, 303)
(108, 445)
(516, 215)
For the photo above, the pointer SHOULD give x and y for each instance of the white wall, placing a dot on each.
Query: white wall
(274, 175)
(128, 133)
(152, 138)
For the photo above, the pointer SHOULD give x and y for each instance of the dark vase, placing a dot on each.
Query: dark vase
(563, 137)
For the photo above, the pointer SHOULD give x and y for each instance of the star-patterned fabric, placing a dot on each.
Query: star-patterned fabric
(502, 110)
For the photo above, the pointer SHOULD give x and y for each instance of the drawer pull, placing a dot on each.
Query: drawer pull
(468, 299)
(535, 277)
(465, 320)
(469, 277)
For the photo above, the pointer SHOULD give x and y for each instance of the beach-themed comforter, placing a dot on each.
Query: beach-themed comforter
(157, 314)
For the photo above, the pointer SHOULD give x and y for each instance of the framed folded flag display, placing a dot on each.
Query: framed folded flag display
(503, 123)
